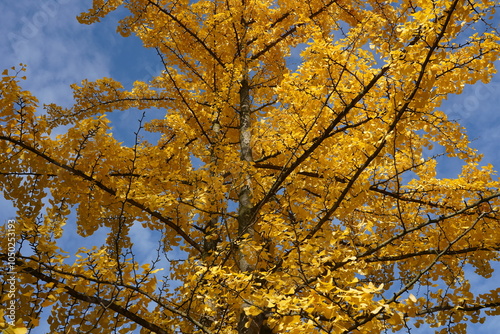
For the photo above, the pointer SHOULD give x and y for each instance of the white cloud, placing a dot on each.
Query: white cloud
(58, 51)
(477, 109)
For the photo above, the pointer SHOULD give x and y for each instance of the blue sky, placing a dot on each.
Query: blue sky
(59, 51)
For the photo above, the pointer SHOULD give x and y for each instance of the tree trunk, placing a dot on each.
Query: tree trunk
(246, 258)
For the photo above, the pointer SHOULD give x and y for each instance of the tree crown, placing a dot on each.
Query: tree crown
(301, 190)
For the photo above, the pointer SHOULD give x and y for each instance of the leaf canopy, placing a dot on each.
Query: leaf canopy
(295, 173)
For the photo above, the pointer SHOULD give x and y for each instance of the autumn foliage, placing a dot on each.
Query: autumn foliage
(293, 186)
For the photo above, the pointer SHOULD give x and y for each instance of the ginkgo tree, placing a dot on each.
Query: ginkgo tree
(301, 192)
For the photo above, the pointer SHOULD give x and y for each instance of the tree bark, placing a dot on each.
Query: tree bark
(245, 192)
(246, 258)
